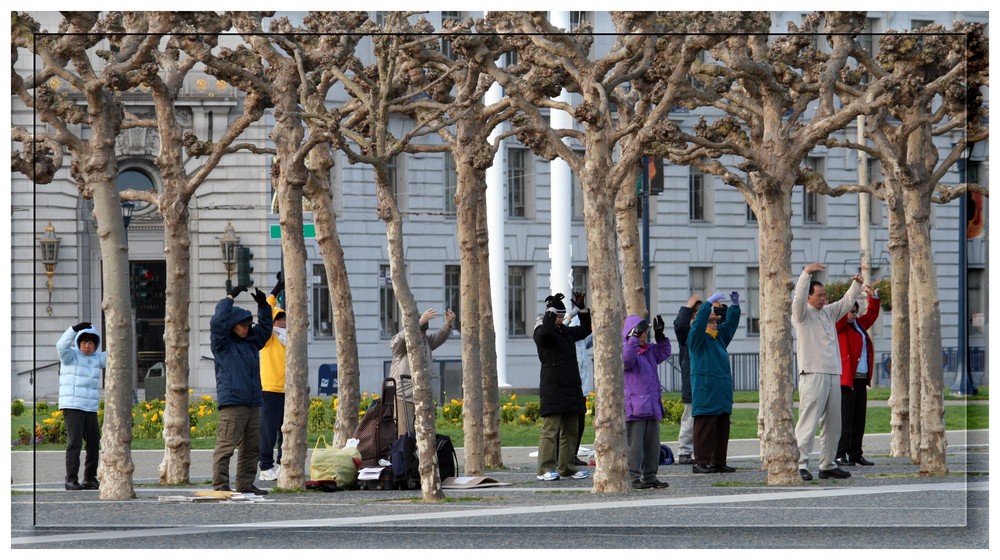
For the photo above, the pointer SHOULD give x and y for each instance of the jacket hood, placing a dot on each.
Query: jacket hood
(275, 311)
(91, 331)
(237, 315)
(630, 322)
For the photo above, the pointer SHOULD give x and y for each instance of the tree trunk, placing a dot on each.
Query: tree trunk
(629, 245)
(430, 481)
(925, 304)
(608, 313)
(466, 206)
(116, 465)
(899, 258)
(287, 135)
(345, 327)
(492, 452)
(780, 452)
(176, 465)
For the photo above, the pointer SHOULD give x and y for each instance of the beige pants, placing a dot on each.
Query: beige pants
(819, 404)
(405, 408)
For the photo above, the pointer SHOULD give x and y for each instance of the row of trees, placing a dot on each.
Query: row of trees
(768, 101)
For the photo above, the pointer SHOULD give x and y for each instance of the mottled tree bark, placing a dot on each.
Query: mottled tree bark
(899, 380)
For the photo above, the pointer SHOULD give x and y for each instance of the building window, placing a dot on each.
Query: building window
(751, 303)
(701, 281)
(380, 19)
(453, 293)
(322, 307)
(576, 19)
(388, 310)
(517, 300)
(696, 196)
(751, 215)
(812, 203)
(517, 182)
(450, 183)
(916, 24)
(976, 305)
(138, 175)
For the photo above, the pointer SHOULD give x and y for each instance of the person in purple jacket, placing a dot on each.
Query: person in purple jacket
(643, 407)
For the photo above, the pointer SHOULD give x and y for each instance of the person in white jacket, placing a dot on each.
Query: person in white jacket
(80, 366)
(818, 354)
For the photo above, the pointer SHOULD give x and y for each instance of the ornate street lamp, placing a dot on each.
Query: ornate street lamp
(229, 243)
(127, 207)
(50, 258)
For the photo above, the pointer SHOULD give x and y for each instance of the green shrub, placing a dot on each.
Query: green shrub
(672, 411)
(319, 416)
(41, 408)
(884, 287)
(532, 412)
(23, 435)
(452, 412)
(17, 407)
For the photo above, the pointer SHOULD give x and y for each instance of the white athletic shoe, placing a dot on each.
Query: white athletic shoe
(271, 473)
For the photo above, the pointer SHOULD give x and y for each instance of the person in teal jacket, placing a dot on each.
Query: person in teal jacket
(712, 382)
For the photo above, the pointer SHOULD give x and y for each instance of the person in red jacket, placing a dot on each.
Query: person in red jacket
(857, 358)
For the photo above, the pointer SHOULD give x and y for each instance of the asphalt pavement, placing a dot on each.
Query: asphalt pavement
(887, 505)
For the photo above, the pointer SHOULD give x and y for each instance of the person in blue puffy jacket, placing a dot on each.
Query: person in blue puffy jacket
(643, 407)
(236, 345)
(80, 366)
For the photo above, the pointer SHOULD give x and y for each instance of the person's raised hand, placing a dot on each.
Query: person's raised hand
(82, 326)
(693, 300)
(658, 327)
(278, 287)
(579, 299)
(734, 297)
(640, 328)
(449, 316)
(715, 297)
(814, 267)
(259, 297)
(426, 316)
(237, 290)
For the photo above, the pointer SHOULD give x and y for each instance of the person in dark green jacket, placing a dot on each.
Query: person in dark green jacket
(712, 382)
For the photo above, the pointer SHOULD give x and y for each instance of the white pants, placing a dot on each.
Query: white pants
(685, 440)
(819, 404)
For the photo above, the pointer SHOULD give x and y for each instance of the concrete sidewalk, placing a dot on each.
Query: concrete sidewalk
(887, 505)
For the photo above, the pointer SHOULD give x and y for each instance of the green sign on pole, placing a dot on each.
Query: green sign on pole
(308, 230)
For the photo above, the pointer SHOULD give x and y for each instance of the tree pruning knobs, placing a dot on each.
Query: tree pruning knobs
(259, 297)
(236, 291)
(82, 326)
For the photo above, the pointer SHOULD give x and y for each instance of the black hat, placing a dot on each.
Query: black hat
(556, 302)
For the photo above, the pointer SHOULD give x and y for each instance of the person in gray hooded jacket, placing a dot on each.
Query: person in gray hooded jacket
(80, 366)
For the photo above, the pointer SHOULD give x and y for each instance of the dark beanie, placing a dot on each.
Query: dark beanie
(556, 302)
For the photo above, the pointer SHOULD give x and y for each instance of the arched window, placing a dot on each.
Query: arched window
(136, 175)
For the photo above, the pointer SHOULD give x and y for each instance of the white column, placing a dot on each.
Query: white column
(864, 207)
(560, 184)
(498, 254)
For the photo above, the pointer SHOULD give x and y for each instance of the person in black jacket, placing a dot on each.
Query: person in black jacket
(236, 345)
(682, 325)
(560, 390)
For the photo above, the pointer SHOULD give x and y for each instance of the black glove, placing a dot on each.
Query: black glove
(82, 326)
(259, 297)
(637, 330)
(278, 288)
(549, 301)
(237, 290)
(578, 300)
(658, 328)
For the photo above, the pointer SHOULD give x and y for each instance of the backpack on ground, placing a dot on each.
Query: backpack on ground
(405, 464)
(377, 429)
(666, 455)
(446, 456)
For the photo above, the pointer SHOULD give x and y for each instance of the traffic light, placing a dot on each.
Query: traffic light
(243, 267)
(142, 283)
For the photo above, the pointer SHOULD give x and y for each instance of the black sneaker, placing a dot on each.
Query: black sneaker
(704, 469)
(91, 485)
(844, 462)
(806, 475)
(723, 468)
(685, 460)
(862, 461)
(834, 473)
(659, 484)
(579, 463)
(641, 485)
(73, 486)
(254, 490)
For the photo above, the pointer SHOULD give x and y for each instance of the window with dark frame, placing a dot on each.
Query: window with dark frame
(453, 294)
(517, 300)
(388, 309)
(450, 183)
(696, 196)
(516, 179)
(322, 306)
(751, 303)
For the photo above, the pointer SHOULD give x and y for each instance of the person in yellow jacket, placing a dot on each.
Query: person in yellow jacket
(272, 380)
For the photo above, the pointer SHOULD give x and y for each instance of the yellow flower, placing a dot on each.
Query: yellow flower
(190, 391)
(193, 429)
(361, 413)
(48, 421)
(155, 416)
(149, 406)
(446, 409)
(201, 413)
(513, 397)
(206, 397)
(209, 411)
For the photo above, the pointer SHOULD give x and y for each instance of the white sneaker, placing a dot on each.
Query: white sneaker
(271, 473)
(551, 475)
(580, 475)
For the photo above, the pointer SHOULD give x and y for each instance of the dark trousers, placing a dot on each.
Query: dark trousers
(239, 427)
(81, 426)
(853, 414)
(580, 425)
(271, 415)
(711, 439)
(643, 449)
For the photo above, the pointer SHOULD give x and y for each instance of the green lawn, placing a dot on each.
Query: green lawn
(958, 416)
